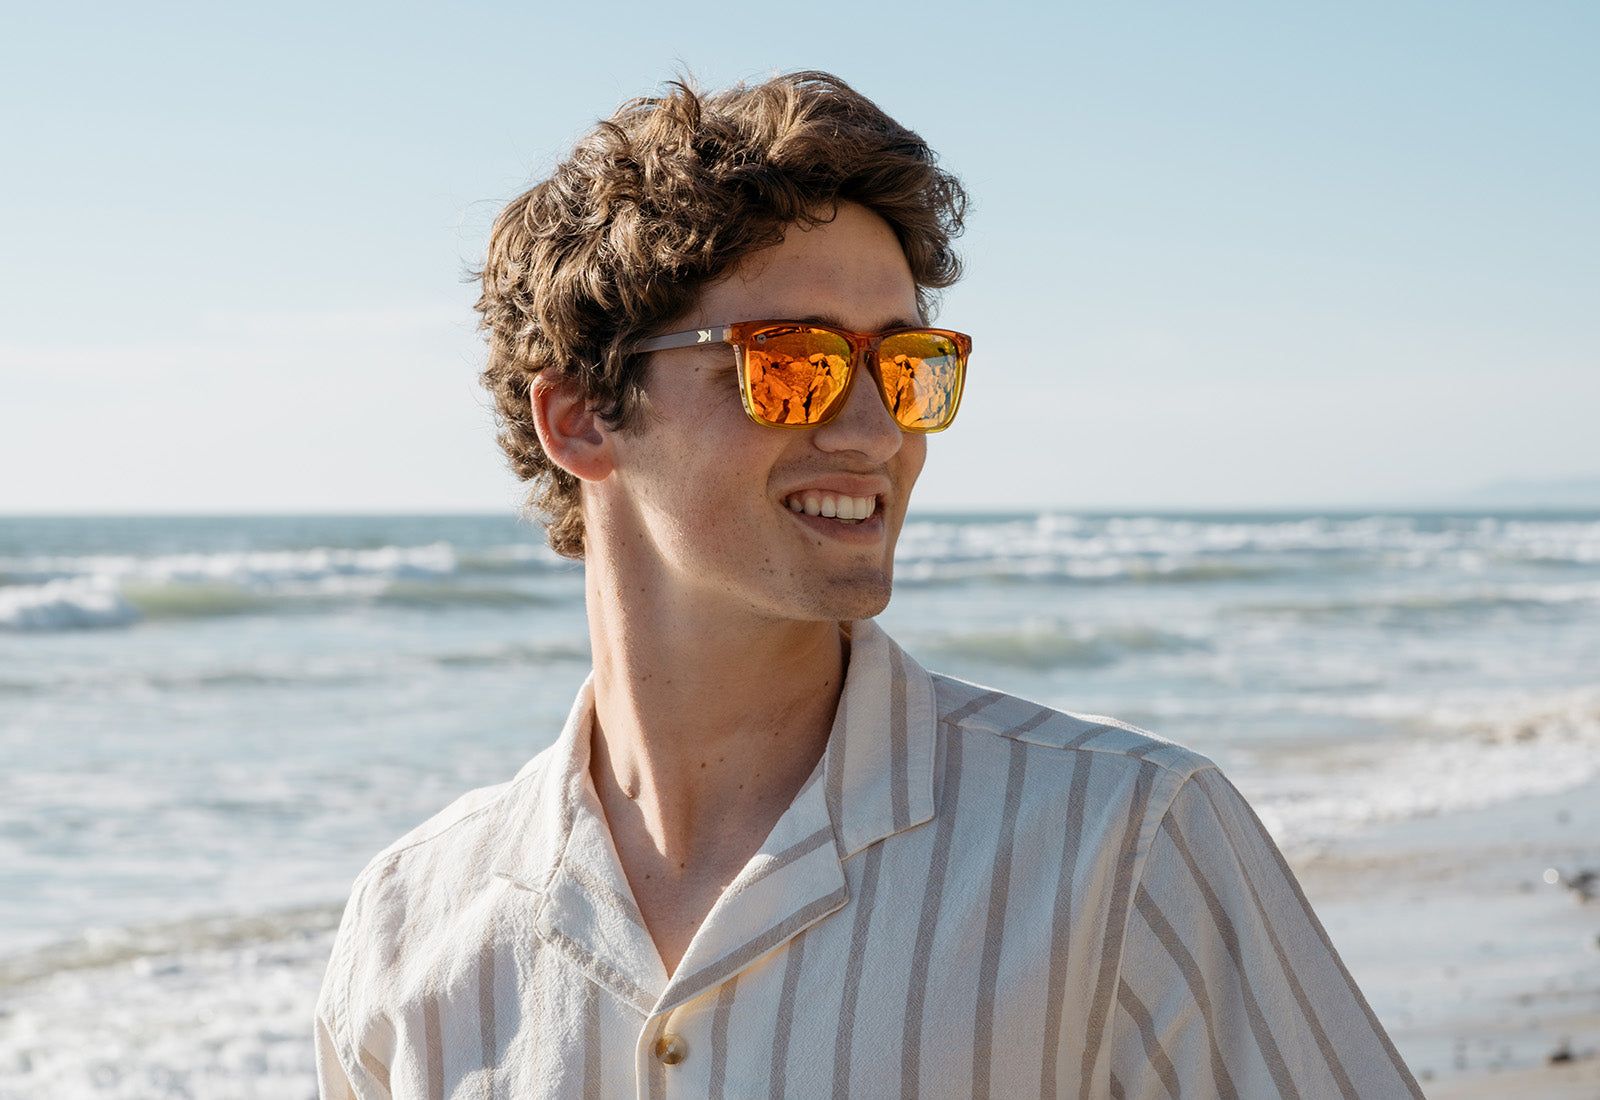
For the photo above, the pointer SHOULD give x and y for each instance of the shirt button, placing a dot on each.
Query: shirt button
(671, 1049)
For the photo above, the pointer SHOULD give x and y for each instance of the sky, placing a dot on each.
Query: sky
(1233, 255)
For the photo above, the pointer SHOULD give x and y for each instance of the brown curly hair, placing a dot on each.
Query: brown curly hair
(662, 198)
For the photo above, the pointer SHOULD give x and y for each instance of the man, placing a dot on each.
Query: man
(770, 855)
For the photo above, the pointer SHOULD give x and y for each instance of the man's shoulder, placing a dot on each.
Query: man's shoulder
(974, 708)
(415, 902)
(450, 837)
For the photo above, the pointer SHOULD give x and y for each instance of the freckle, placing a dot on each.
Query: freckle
(681, 866)
(702, 763)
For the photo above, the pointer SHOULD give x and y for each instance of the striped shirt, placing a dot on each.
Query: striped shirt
(973, 896)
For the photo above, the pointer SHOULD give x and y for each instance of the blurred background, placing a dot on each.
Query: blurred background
(1279, 439)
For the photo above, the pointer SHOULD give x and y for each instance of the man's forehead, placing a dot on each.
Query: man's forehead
(849, 272)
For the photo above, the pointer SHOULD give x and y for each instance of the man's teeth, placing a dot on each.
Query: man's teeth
(849, 509)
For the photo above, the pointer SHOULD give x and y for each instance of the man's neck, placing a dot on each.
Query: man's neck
(706, 726)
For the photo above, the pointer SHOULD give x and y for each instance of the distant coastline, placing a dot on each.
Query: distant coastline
(1571, 492)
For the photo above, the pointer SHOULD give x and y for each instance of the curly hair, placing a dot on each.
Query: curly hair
(666, 196)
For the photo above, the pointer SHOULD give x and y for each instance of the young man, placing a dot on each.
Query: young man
(769, 854)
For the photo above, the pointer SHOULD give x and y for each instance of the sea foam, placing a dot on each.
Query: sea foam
(72, 593)
(1458, 760)
(217, 1007)
(73, 604)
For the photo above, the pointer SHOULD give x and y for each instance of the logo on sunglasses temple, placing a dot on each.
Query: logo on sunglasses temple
(705, 336)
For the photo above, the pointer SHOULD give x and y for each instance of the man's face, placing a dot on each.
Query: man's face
(710, 495)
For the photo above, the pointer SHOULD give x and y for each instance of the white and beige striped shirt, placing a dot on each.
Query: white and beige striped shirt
(973, 896)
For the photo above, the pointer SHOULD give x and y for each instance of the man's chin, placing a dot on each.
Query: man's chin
(857, 598)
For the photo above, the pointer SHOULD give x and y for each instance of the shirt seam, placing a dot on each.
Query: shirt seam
(386, 859)
(1190, 765)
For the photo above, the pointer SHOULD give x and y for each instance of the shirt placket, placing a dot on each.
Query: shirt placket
(673, 1054)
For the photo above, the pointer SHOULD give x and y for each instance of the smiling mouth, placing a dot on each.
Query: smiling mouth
(833, 506)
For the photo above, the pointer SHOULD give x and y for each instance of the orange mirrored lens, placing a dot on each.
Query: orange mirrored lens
(793, 376)
(921, 373)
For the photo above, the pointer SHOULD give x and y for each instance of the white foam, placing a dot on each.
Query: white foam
(64, 605)
(321, 566)
(1461, 760)
(108, 590)
(1131, 545)
(210, 1018)
(251, 568)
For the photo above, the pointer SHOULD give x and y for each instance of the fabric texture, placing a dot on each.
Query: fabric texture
(972, 896)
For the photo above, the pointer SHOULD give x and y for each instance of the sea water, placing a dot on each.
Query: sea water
(209, 724)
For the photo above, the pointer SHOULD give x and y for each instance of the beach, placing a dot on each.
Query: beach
(1486, 974)
(210, 724)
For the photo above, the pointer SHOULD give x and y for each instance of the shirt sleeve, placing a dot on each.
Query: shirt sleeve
(332, 1082)
(348, 1067)
(1229, 986)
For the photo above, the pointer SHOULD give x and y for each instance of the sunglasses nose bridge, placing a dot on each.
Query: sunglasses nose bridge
(863, 352)
(864, 359)
(869, 359)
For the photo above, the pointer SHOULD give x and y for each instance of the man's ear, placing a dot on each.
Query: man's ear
(572, 434)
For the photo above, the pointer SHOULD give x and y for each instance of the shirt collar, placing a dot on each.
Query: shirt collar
(879, 765)
(876, 779)
(877, 772)
(547, 794)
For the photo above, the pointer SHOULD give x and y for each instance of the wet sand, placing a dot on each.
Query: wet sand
(1475, 949)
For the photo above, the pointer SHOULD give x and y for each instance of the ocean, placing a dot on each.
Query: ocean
(209, 724)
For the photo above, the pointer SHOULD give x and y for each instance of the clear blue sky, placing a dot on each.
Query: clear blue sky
(1222, 254)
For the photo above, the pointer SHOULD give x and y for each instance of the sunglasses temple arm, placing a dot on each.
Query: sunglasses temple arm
(717, 334)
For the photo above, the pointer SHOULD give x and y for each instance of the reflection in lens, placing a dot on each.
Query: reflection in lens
(921, 379)
(794, 376)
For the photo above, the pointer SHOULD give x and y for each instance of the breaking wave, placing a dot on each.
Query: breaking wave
(107, 591)
(1458, 760)
(1086, 549)
(1050, 646)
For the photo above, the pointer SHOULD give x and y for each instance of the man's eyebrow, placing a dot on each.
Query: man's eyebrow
(832, 321)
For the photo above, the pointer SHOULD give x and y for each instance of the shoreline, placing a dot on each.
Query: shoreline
(1486, 974)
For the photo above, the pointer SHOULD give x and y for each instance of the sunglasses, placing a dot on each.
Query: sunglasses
(794, 374)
